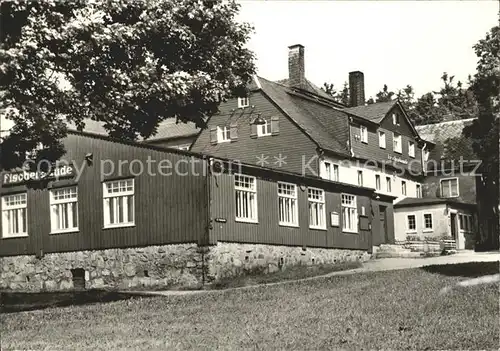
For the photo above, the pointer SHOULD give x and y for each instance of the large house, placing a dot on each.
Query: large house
(284, 175)
(294, 126)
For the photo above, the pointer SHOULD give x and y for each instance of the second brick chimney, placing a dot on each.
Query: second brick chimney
(296, 66)
(356, 88)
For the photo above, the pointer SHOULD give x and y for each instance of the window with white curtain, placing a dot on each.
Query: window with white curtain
(245, 188)
(118, 198)
(397, 146)
(64, 209)
(14, 215)
(364, 134)
(349, 213)
(264, 129)
(381, 139)
(317, 216)
(287, 204)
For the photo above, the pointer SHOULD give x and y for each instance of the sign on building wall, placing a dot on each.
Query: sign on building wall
(20, 177)
(334, 219)
(397, 159)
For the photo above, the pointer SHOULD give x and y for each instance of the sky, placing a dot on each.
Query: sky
(391, 42)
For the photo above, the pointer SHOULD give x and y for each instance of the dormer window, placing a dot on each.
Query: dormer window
(264, 129)
(395, 119)
(223, 134)
(243, 102)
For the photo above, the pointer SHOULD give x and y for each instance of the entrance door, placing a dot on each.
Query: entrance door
(453, 225)
(383, 229)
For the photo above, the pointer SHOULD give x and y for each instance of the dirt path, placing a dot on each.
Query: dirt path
(384, 264)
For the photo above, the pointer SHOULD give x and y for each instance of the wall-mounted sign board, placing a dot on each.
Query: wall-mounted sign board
(334, 219)
(21, 177)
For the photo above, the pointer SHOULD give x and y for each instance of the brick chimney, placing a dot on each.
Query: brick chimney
(296, 66)
(356, 88)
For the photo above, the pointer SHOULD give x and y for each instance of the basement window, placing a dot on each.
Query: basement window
(78, 278)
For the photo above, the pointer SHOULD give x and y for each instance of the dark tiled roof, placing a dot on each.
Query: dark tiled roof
(310, 87)
(421, 201)
(327, 126)
(167, 129)
(373, 112)
(449, 140)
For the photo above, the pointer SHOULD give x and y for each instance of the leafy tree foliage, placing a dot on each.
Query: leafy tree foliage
(339, 96)
(485, 135)
(128, 64)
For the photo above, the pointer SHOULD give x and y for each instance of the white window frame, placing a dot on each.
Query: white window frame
(349, 209)
(15, 204)
(388, 184)
(403, 188)
(331, 171)
(264, 129)
(449, 180)
(411, 148)
(397, 138)
(243, 102)
(123, 192)
(335, 172)
(64, 210)
(431, 228)
(317, 208)
(418, 191)
(395, 119)
(363, 132)
(246, 186)
(360, 178)
(465, 222)
(288, 205)
(378, 182)
(382, 139)
(223, 134)
(408, 229)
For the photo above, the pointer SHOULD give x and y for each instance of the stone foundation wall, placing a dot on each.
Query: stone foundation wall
(233, 259)
(153, 266)
(184, 266)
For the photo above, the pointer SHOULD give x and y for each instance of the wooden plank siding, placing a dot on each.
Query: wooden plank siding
(168, 209)
(291, 142)
(268, 230)
(372, 150)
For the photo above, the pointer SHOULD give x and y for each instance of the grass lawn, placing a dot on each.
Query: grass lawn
(382, 310)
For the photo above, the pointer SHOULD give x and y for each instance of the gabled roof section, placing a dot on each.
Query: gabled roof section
(448, 138)
(439, 132)
(373, 112)
(325, 125)
(167, 129)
